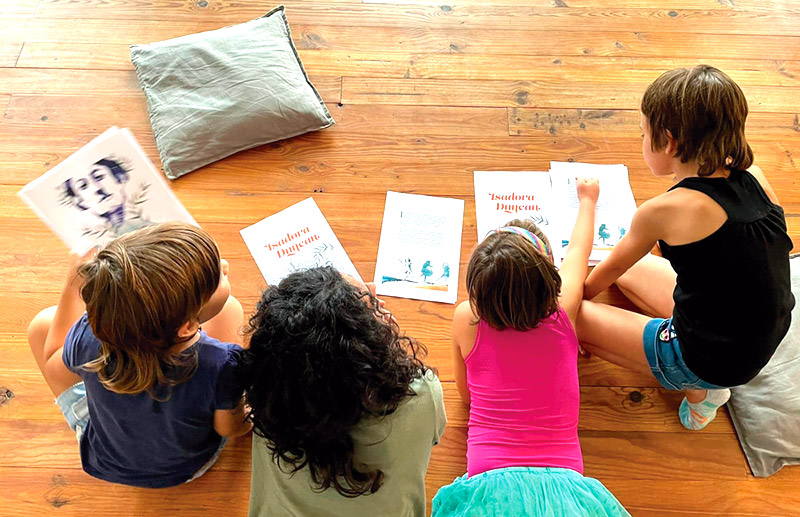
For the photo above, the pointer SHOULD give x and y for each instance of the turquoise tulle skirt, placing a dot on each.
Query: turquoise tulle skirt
(531, 491)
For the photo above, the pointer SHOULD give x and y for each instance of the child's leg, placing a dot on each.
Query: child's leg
(649, 284)
(226, 325)
(55, 374)
(617, 336)
(614, 334)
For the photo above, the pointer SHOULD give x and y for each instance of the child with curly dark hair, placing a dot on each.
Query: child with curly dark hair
(344, 410)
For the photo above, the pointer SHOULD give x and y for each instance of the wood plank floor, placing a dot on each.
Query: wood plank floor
(423, 92)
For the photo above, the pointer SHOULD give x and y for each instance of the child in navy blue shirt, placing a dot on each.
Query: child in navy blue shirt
(151, 396)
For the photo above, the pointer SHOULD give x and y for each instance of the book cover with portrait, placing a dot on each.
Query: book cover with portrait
(105, 189)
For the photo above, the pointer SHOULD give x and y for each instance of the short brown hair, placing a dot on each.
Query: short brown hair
(139, 290)
(705, 112)
(510, 282)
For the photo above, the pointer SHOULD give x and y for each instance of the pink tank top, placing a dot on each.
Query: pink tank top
(524, 397)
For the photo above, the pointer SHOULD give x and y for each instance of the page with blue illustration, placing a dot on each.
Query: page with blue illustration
(420, 247)
(615, 206)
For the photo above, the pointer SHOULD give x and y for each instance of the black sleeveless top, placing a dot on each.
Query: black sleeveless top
(733, 298)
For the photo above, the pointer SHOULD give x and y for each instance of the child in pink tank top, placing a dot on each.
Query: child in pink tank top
(515, 355)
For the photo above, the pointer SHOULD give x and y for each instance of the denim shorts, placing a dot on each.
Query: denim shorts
(665, 359)
(210, 463)
(75, 408)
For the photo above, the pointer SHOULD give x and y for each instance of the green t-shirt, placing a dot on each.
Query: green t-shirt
(399, 444)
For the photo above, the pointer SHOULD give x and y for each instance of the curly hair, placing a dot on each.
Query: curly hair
(323, 355)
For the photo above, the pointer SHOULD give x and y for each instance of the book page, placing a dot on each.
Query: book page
(615, 206)
(296, 238)
(501, 196)
(420, 247)
(105, 189)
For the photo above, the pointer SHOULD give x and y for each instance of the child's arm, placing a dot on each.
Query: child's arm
(464, 331)
(69, 310)
(576, 262)
(643, 235)
(230, 423)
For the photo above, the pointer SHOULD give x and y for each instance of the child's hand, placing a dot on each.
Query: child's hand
(588, 189)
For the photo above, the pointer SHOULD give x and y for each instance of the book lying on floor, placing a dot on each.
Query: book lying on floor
(105, 189)
(501, 196)
(420, 247)
(296, 238)
(550, 200)
(615, 206)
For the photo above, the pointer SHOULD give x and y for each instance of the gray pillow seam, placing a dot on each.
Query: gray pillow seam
(282, 8)
(151, 114)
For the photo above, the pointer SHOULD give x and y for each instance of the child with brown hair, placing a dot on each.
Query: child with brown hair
(721, 295)
(150, 395)
(515, 356)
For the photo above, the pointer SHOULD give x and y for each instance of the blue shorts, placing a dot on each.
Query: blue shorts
(210, 463)
(75, 408)
(665, 359)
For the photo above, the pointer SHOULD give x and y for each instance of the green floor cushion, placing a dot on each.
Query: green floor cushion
(215, 93)
(766, 410)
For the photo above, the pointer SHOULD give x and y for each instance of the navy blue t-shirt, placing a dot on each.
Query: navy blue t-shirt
(137, 440)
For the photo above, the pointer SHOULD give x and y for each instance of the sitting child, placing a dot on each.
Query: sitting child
(515, 355)
(344, 411)
(149, 394)
(721, 295)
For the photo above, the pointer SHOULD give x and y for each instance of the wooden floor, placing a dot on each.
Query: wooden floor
(423, 92)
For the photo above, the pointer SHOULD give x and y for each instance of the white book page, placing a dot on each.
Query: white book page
(615, 206)
(106, 189)
(501, 196)
(420, 247)
(294, 239)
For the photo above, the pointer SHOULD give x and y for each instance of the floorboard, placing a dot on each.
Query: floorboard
(710, 21)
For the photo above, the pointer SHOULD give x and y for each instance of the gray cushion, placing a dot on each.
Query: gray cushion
(766, 411)
(215, 93)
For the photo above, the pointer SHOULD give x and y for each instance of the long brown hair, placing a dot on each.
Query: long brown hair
(139, 290)
(705, 112)
(510, 282)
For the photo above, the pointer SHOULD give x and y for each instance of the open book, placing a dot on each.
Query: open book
(550, 200)
(296, 238)
(105, 189)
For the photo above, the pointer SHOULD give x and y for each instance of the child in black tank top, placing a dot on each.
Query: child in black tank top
(721, 294)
